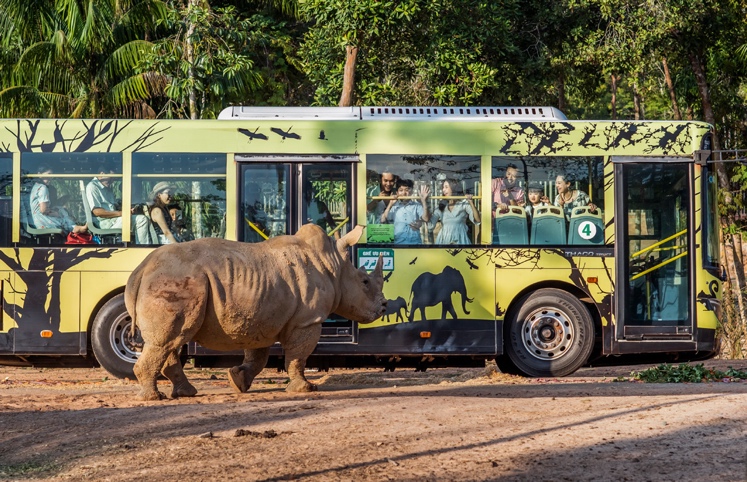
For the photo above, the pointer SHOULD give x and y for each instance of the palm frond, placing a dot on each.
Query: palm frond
(135, 89)
(122, 62)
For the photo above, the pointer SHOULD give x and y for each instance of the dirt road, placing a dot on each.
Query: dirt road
(447, 424)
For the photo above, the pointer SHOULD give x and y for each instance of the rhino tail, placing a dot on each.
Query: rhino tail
(130, 295)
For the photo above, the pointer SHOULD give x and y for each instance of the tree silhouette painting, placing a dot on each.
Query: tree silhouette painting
(81, 136)
(37, 296)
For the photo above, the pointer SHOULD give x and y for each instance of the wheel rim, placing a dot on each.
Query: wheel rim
(548, 334)
(125, 345)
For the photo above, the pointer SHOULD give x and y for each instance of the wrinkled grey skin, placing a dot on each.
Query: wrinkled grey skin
(228, 295)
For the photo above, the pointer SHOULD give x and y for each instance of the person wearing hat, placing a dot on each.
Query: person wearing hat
(163, 224)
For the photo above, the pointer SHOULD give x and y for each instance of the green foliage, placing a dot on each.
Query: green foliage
(63, 58)
(683, 373)
(208, 58)
(419, 52)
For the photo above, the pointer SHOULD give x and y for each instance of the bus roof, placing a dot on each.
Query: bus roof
(394, 113)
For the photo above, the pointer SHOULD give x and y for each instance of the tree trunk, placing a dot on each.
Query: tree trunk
(561, 92)
(637, 102)
(613, 77)
(190, 53)
(670, 87)
(348, 79)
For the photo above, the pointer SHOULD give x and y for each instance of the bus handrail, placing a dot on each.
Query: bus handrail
(660, 265)
(649, 248)
(256, 228)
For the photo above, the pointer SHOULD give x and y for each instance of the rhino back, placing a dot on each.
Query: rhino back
(252, 293)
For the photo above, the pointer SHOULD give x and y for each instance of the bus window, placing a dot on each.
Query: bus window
(451, 212)
(547, 201)
(325, 197)
(264, 201)
(188, 189)
(6, 196)
(55, 201)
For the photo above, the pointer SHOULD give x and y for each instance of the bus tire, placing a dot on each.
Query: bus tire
(114, 347)
(551, 334)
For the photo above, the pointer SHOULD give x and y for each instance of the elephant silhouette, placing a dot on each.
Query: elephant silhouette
(395, 307)
(431, 289)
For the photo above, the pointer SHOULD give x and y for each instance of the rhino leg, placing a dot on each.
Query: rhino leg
(175, 373)
(298, 347)
(242, 376)
(147, 369)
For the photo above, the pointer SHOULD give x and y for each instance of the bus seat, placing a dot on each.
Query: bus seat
(92, 227)
(47, 235)
(578, 232)
(511, 227)
(548, 226)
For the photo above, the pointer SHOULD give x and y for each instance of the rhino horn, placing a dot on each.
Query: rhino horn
(379, 270)
(349, 239)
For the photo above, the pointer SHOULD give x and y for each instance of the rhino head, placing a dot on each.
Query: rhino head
(361, 296)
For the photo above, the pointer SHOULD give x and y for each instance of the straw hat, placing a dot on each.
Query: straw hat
(161, 186)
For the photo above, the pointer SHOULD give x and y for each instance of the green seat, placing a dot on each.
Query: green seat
(511, 227)
(92, 226)
(586, 227)
(548, 226)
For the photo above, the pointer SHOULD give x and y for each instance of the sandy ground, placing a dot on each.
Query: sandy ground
(445, 424)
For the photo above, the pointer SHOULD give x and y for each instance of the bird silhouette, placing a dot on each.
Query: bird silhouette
(389, 275)
(413, 260)
(252, 135)
(285, 134)
(472, 265)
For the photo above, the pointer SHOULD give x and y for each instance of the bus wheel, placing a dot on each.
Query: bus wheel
(550, 335)
(114, 346)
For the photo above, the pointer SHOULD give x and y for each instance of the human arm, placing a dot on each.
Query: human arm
(385, 215)
(425, 191)
(475, 212)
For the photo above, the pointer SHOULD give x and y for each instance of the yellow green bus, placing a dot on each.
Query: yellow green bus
(508, 233)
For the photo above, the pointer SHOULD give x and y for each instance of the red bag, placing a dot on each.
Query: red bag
(79, 238)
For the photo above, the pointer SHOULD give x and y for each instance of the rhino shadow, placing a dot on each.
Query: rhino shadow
(431, 289)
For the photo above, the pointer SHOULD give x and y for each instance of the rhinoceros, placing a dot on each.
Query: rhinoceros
(227, 295)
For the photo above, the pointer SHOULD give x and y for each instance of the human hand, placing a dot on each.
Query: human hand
(425, 191)
(415, 225)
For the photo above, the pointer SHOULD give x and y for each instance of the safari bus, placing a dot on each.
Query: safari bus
(507, 233)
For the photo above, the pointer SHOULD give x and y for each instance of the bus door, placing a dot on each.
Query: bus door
(279, 194)
(654, 254)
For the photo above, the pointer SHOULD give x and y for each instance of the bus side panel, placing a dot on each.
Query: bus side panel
(46, 312)
(56, 290)
(7, 298)
(441, 301)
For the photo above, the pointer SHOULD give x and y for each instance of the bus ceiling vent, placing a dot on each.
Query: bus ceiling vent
(463, 113)
(290, 113)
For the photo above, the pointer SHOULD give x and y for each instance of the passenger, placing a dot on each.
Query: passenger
(162, 197)
(180, 229)
(256, 215)
(537, 198)
(43, 215)
(569, 198)
(387, 181)
(317, 211)
(106, 211)
(453, 214)
(506, 191)
(407, 216)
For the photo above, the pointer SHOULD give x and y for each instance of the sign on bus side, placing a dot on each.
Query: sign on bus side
(367, 258)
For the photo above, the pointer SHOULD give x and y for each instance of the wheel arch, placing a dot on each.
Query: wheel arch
(92, 316)
(571, 289)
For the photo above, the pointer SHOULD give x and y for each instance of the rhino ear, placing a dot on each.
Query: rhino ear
(349, 239)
